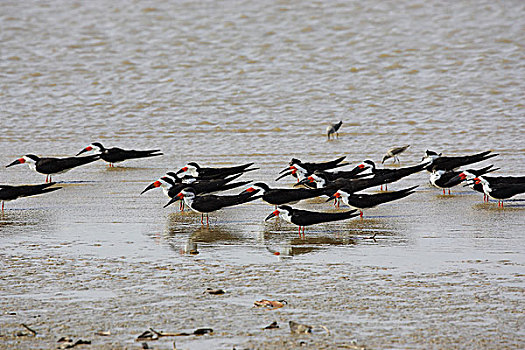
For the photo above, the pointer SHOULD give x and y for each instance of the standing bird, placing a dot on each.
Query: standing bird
(333, 129)
(208, 203)
(172, 185)
(447, 179)
(436, 161)
(387, 176)
(500, 190)
(393, 152)
(116, 155)
(304, 218)
(11, 192)
(300, 170)
(51, 166)
(199, 172)
(363, 201)
(331, 186)
(278, 196)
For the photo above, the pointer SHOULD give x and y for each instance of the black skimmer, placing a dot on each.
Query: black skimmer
(469, 175)
(51, 166)
(333, 129)
(439, 162)
(304, 218)
(12, 192)
(355, 173)
(199, 172)
(332, 186)
(116, 155)
(393, 152)
(172, 185)
(363, 201)
(386, 176)
(208, 203)
(446, 179)
(279, 196)
(300, 169)
(500, 190)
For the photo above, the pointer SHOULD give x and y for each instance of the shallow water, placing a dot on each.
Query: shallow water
(239, 82)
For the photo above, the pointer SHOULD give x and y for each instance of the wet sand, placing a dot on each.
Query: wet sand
(259, 82)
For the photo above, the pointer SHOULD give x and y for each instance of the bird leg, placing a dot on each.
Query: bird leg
(449, 191)
(360, 214)
(443, 191)
(207, 220)
(2, 205)
(202, 219)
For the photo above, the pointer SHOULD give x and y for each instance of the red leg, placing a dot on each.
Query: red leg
(360, 214)
(443, 191)
(207, 220)
(381, 187)
(2, 205)
(202, 219)
(449, 191)
(386, 187)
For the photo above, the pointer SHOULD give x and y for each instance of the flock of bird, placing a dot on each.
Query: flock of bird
(195, 186)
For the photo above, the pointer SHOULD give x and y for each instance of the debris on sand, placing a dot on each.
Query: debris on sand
(270, 304)
(147, 335)
(272, 325)
(152, 334)
(103, 333)
(67, 343)
(215, 291)
(202, 331)
(32, 332)
(299, 328)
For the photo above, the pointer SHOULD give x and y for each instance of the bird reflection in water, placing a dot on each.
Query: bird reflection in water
(367, 228)
(288, 248)
(179, 226)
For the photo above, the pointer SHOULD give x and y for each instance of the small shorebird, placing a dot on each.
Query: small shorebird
(333, 129)
(393, 152)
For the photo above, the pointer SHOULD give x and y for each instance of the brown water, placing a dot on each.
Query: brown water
(234, 82)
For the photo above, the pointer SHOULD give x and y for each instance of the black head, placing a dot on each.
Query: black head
(33, 157)
(286, 207)
(195, 165)
(429, 153)
(295, 161)
(370, 162)
(99, 145)
(262, 185)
